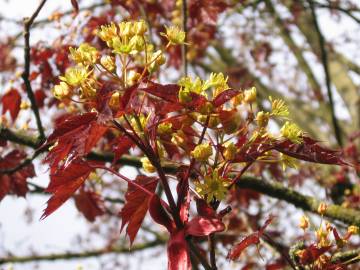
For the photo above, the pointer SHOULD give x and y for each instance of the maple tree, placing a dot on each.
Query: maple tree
(152, 85)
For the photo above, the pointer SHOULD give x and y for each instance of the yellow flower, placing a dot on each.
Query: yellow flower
(262, 119)
(279, 108)
(156, 59)
(107, 32)
(218, 81)
(24, 105)
(292, 132)
(164, 128)
(250, 95)
(114, 101)
(140, 27)
(108, 62)
(184, 95)
(132, 77)
(202, 152)
(174, 35)
(74, 76)
(85, 54)
(87, 88)
(304, 222)
(121, 46)
(230, 151)
(147, 166)
(288, 161)
(137, 44)
(213, 186)
(178, 139)
(353, 229)
(126, 29)
(322, 208)
(61, 90)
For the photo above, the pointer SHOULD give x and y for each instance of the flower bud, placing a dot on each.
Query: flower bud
(108, 62)
(61, 90)
(147, 166)
(174, 35)
(322, 208)
(230, 151)
(250, 95)
(114, 101)
(304, 222)
(262, 119)
(140, 27)
(202, 152)
(164, 128)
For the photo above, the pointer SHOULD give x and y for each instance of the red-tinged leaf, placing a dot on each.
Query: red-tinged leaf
(159, 214)
(252, 239)
(137, 205)
(127, 96)
(64, 183)
(122, 145)
(224, 97)
(75, 5)
(202, 226)
(90, 204)
(15, 182)
(75, 136)
(39, 98)
(312, 253)
(310, 150)
(167, 92)
(11, 102)
(70, 124)
(178, 252)
(275, 266)
(204, 209)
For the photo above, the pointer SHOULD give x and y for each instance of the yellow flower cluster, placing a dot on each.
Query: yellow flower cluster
(202, 152)
(174, 35)
(217, 81)
(213, 186)
(292, 132)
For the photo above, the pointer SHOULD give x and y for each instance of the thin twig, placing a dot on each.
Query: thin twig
(25, 75)
(324, 60)
(183, 47)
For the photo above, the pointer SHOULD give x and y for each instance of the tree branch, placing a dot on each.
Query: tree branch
(275, 190)
(25, 75)
(82, 255)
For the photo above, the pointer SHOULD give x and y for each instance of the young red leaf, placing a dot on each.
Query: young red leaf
(312, 253)
(310, 150)
(70, 124)
(159, 215)
(202, 226)
(11, 102)
(75, 5)
(137, 205)
(204, 209)
(224, 97)
(90, 204)
(178, 252)
(121, 146)
(251, 239)
(75, 136)
(15, 182)
(167, 92)
(64, 183)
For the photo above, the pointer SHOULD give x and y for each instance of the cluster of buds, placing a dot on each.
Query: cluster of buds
(217, 82)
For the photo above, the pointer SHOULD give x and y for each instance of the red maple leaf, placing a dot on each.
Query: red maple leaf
(14, 182)
(90, 204)
(252, 239)
(64, 183)
(75, 137)
(11, 102)
(137, 205)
